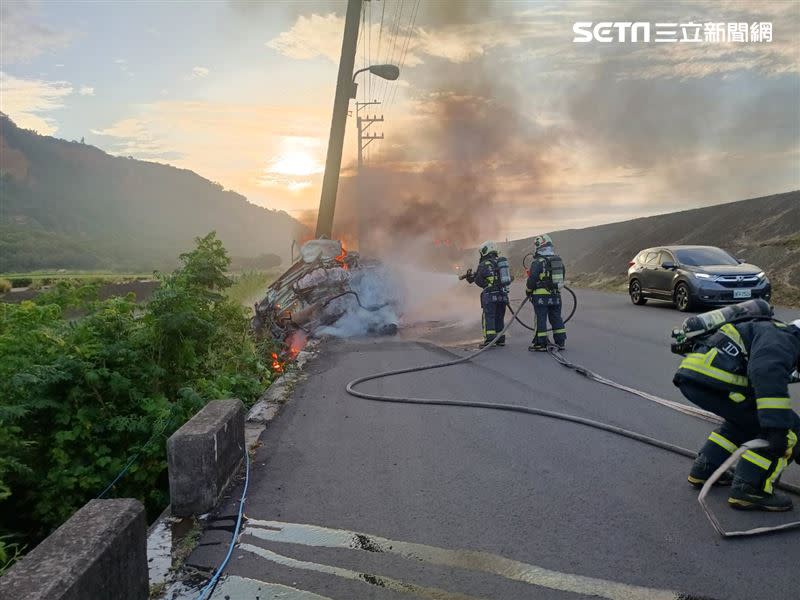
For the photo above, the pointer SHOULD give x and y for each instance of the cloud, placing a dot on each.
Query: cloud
(86, 90)
(23, 36)
(311, 37)
(197, 73)
(136, 139)
(277, 151)
(318, 36)
(27, 101)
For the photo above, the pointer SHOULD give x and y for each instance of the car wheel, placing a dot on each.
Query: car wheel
(683, 298)
(635, 290)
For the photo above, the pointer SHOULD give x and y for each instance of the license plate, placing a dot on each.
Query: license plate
(742, 293)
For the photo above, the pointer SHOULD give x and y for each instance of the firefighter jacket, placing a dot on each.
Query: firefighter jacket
(753, 361)
(487, 276)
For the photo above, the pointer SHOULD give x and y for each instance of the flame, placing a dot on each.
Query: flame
(277, 365)
(341, 257)
(296, 342)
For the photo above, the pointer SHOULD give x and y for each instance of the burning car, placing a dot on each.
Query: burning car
(328, 291)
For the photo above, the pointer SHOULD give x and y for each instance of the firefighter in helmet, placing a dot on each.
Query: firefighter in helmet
(544, 282)
(741, 372)
(490, 275)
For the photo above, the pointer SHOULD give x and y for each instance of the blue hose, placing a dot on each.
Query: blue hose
(209, 587)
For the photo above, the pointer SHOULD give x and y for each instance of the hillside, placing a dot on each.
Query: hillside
(70, 205)
(765, 231)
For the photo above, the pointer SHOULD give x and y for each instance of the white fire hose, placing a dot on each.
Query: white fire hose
(675, 449)
(732, 459)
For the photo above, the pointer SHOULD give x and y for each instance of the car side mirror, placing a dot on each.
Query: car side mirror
(741, 261)
(668, 265)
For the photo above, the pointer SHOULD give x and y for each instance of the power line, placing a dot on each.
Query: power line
(390, 53)
(405, 50)
(380, 29)
(369, 49)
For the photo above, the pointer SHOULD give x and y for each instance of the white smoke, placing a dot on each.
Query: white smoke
(376, 311)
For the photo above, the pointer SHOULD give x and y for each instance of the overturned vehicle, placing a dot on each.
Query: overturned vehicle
(328, 291)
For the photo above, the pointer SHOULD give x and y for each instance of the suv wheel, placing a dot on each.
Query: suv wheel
(635, 290)
(683, 298)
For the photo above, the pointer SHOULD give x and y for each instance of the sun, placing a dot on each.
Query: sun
(295, 162)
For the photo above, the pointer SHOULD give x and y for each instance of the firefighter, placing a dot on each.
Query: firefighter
(494, 296)
(544, 280)
(741, 372)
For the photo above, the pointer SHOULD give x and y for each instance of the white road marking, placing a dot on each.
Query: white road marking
(367, 578)
(243, 588)
(314, 535)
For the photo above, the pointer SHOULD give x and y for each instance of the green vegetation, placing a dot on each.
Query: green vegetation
(81, 398)
(5, 285)
(249, 287)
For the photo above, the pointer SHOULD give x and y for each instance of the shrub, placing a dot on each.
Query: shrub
(80, 398)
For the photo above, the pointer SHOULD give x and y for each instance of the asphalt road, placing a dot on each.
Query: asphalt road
(469, 503)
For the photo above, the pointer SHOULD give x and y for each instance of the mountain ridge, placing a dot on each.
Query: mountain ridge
(764, 230)
(72, 205)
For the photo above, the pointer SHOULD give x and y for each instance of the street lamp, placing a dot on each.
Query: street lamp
(390, 72)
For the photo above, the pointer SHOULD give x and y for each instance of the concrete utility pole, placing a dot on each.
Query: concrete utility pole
(344, 89)
(364, 140)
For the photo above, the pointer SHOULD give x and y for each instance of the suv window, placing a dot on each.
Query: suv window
(651, 258)
(665, 257)
(704, 256)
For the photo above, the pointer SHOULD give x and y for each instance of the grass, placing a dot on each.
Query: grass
(66, 274)
(37, 279)
(250, 286)
(186, 545)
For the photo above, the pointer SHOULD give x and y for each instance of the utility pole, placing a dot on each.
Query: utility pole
(344, 90)
(364, 140)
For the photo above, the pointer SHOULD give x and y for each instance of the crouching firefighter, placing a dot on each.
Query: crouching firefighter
(544, 282)
(738, 364)
(493, 275)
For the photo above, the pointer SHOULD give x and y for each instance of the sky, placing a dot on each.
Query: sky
(566, 134)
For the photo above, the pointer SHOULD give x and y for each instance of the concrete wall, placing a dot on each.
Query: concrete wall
(203, 455)
(99, 553)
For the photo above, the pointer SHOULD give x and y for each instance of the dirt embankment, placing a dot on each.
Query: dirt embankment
(765, 231)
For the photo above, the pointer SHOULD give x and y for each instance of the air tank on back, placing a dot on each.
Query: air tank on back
(752, 309)
(504, 271)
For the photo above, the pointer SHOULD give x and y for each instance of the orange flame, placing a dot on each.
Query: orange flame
(277, 366)
(296, 341)
(341, 257)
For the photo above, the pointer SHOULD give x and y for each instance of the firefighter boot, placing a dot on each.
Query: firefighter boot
(501, 341)
(537, 346)
(702, 469)
(746, 496)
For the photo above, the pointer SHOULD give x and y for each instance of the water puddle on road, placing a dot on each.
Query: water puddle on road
(314, 535)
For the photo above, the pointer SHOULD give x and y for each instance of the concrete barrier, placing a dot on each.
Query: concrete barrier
(99, 553)
(203, 455)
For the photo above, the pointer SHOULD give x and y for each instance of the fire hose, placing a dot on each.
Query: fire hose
(518, 408)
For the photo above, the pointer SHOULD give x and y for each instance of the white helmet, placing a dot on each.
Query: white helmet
(488, 247)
